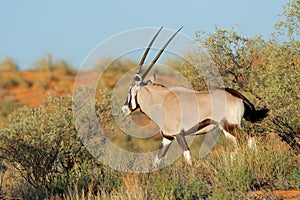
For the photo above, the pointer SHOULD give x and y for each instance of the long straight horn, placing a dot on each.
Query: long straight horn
(158, 55)
(147, 51)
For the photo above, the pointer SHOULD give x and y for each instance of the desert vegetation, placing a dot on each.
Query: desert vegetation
(43, 157)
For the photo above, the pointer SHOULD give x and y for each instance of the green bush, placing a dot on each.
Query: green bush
(39, 143)
(265, 71)
(63, 67)
(289, 24)
(6, 107)
(16, 80)
(46, 64)
(44, 148)
(114, 69)
(8, 65)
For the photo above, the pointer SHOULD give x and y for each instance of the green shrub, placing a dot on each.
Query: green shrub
(46, 64)
(114, 69)
(63, 67)
(289, 24)
(8, 65)
(40, 143)
(44, 147)
(294, 177)
(236, 173)
(14, 81)
(7, 107)
(265, 71)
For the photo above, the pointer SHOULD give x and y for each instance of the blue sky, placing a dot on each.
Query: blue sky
(69, 30)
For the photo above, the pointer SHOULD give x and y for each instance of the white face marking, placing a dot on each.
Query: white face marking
(131, 100)
(126, 110)
(133, 103)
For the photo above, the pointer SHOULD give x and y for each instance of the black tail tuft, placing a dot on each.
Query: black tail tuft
(251, 114)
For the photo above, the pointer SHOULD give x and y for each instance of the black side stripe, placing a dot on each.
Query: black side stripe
(200, 126)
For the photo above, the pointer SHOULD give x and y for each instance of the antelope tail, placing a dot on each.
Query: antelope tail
(251, 114)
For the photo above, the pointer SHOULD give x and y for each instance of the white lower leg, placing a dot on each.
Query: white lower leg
(230, 137)
(233, 140)
(252, 143)
(157, 161)
(187, 156)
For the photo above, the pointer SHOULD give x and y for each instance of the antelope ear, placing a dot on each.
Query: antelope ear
(137, 79)
(151, 79)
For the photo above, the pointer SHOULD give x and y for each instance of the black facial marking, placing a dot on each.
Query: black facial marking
(128, 99)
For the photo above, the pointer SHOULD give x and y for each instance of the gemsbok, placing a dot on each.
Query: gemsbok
(179, 111)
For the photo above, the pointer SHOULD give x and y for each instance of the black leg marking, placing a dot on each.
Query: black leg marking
(167, 137)
(165, 147)
(182, 141)
(233, 129)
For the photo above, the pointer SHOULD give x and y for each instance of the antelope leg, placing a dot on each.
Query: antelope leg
(166, 143)
(184, 145)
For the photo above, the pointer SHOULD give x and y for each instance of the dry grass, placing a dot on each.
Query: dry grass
(268, 171)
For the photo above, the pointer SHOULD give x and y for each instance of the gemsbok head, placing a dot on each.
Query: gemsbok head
(180, 112)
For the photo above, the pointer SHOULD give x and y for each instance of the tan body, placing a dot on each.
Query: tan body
(179, 109)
